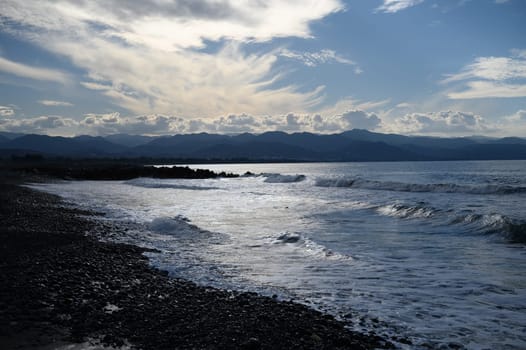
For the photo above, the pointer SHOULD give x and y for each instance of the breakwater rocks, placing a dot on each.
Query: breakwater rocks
(78, 170)
(61, 284)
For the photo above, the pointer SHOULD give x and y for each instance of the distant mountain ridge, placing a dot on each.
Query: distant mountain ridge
(352, 145)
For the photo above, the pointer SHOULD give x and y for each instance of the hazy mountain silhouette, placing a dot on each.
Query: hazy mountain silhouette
(353, 145)
(179, 146)
(10, 135)
(129, 140)
(80, 146)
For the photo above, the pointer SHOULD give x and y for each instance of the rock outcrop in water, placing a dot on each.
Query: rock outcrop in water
(111, 170)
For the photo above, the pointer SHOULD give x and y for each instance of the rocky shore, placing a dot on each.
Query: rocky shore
(79, 169)
(60, 285)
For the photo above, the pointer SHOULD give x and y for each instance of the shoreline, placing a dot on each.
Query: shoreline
(64, 285)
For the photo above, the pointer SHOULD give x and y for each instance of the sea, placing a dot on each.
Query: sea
(434, 252)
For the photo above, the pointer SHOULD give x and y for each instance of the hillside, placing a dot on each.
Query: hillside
(353, 145)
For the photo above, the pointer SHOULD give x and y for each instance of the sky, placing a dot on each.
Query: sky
(163, 67)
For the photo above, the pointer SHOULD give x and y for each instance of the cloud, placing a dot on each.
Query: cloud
(290, 122)
(519, 53)
(52, 103)
(113, 123)
(358, 119)
(348, 104)
(493, 68)
(487, 89)
(235, 124)
(393, 6)
(36, 73)
(191, 83)
(520, 115)
(169, 25)
(312, 59)
(6, 111)
(445, 123)
(514, 124)
(101, 119)
(320, 122)
(486, 77)
(159, 124)
(404, 105)
(195, 9)
(42, 124)
(153, 56)
(440, 123)
(95, 86)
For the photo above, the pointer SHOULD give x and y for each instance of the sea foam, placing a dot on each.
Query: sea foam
(308, 246)
(154, 183)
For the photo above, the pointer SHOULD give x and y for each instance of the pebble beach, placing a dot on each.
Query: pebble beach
(61, 285)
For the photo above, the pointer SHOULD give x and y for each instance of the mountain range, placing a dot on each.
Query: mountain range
(352, 145)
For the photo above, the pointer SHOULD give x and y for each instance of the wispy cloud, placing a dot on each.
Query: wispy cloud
(393, 6)
(52, 103)
(313, 59)
(499, 77)
(489, 89)
(152, 56)
(36, 73)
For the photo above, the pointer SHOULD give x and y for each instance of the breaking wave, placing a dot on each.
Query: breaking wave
(280, 178)
(355, 182)
(178, 226)
(152, 183)
(407, 211)
(308, 246)
(512, 230)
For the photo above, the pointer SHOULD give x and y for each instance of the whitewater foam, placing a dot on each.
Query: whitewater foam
(153, 183)
(308, 246)
(178, 226)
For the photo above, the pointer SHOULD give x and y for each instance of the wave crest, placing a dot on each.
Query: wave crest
(308, 246)
(280, 178)
(351, 182)
(512, 230)
(407, 211)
